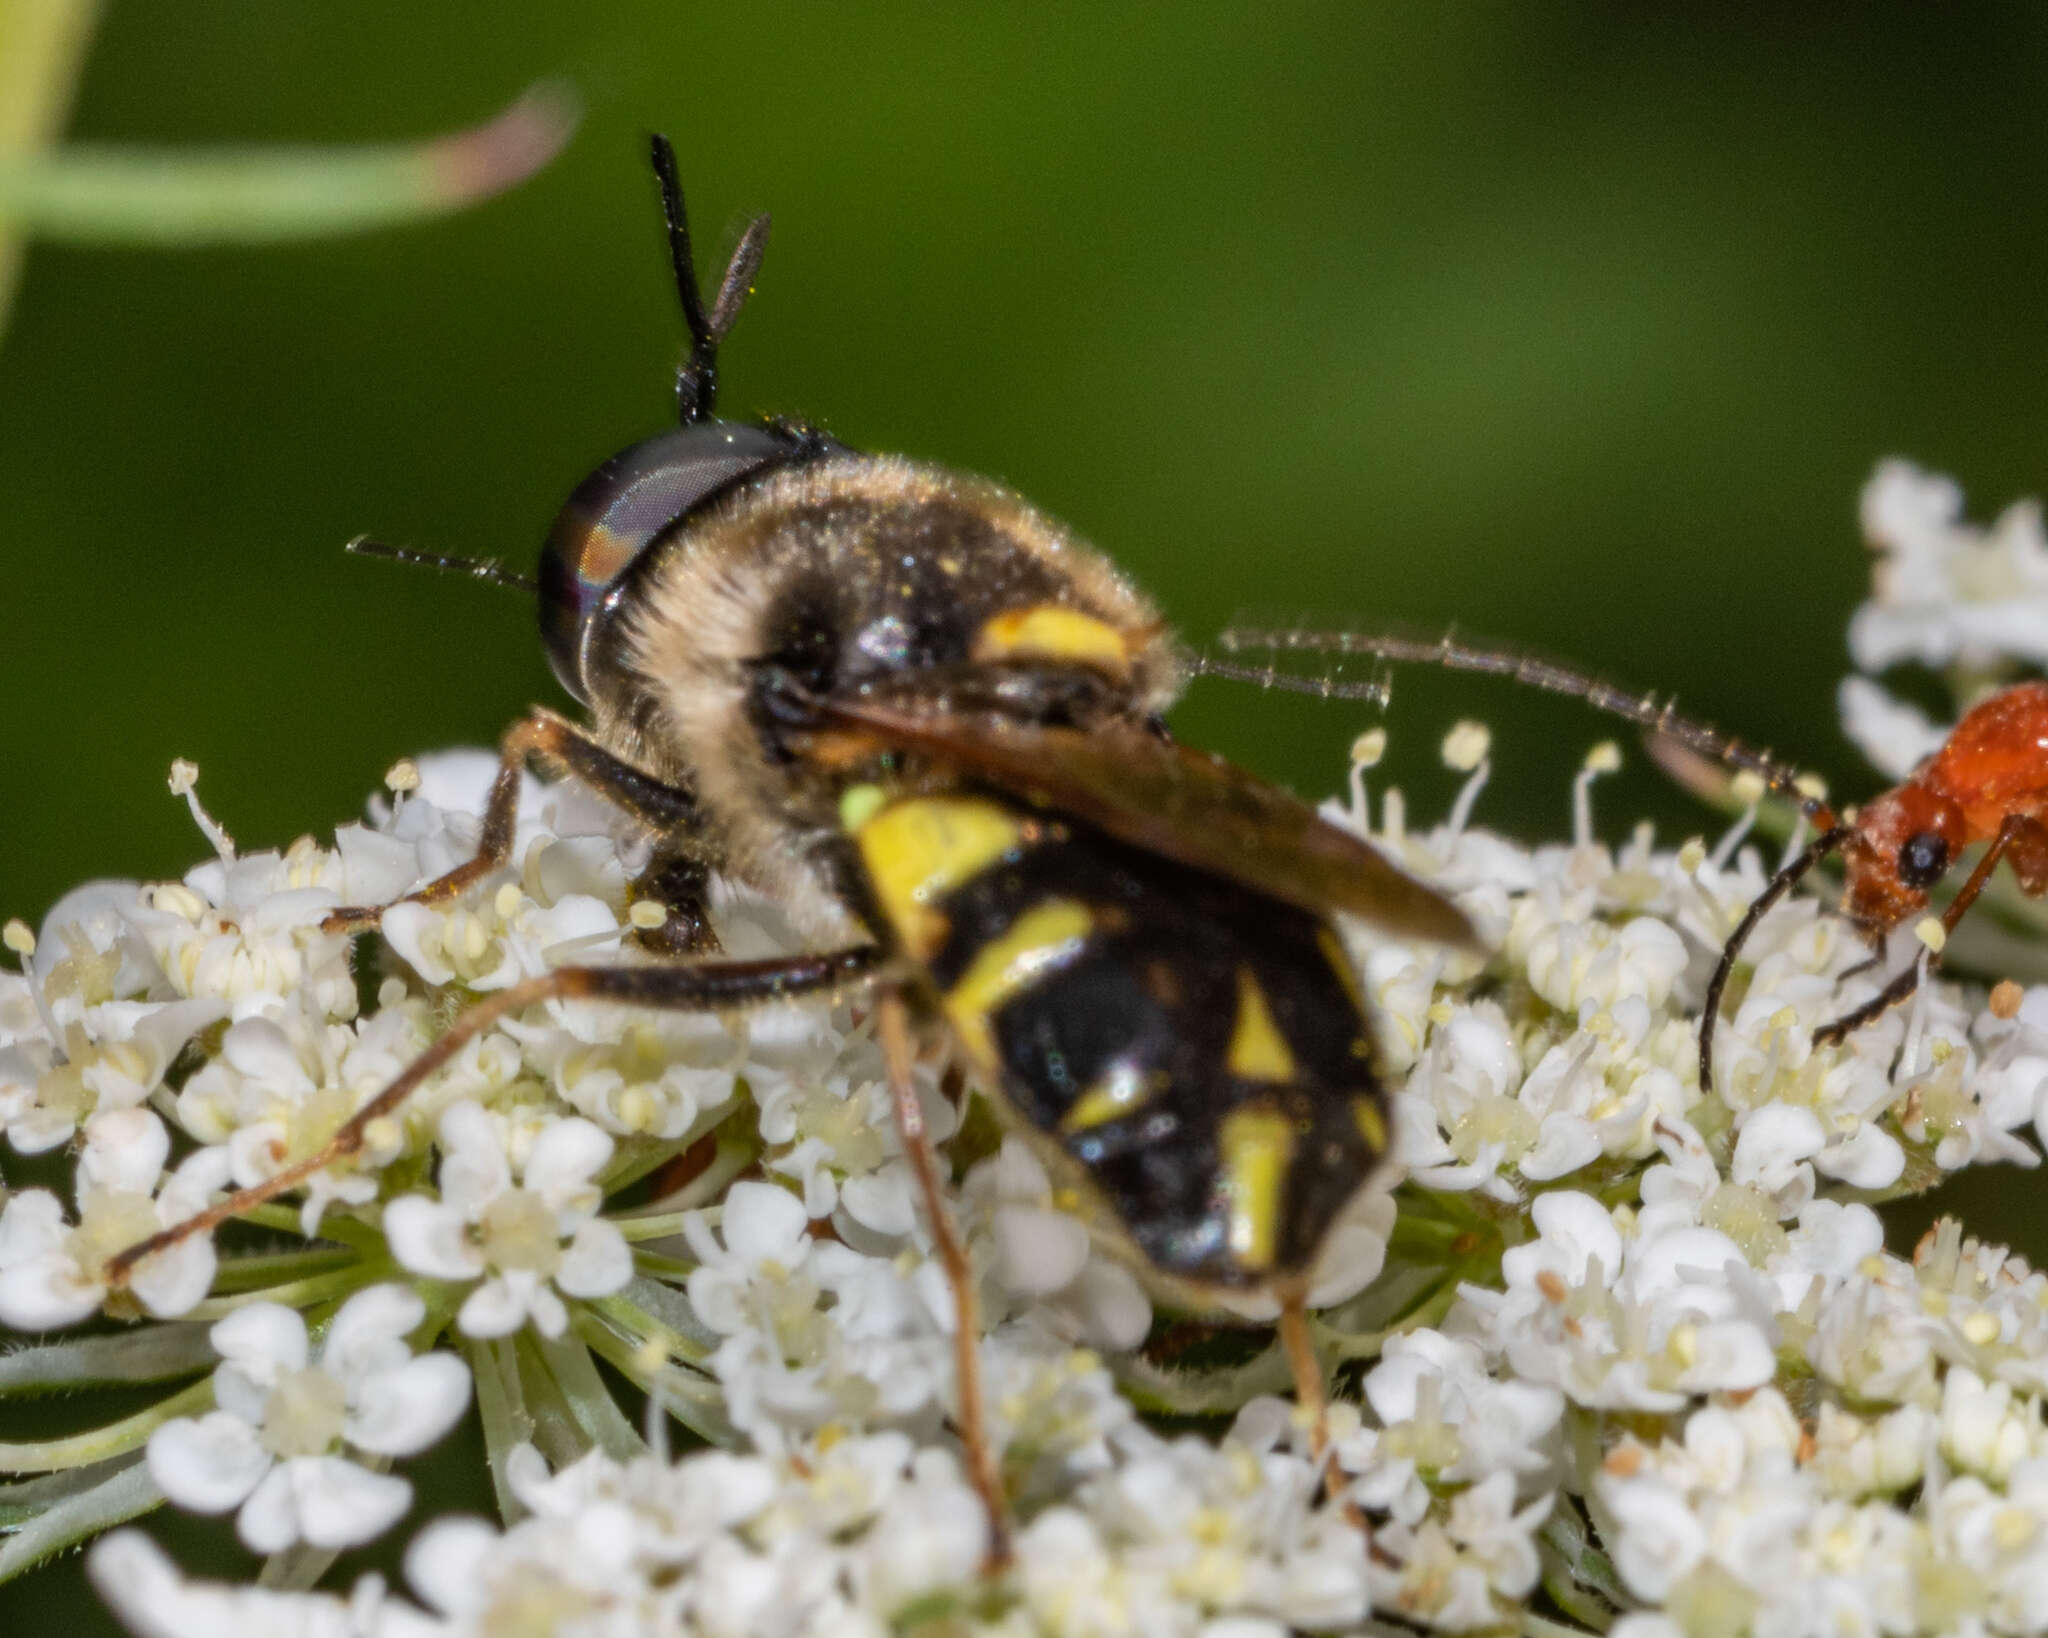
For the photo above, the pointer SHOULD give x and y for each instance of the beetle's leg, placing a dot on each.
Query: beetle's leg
(559, 745)
(893, 1026)
(704, 987)
(2027, 853)
(2016, 829)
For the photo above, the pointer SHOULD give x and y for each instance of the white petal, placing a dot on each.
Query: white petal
(264, 1339)
(208, 1464)
(403, 1411)
(124, 1149)
(368, 1334)
(269, 1519)
(597, 1262)
(1114, 1310)
(496, 1308)
(404, 926)
(343, 1505)
(444, 1564)
(173, 1281)
(1869, 1159)
(262, 1051)
(565, 1157)
(44, 1292)
(473, 1166)
(431, 1237)
(1037, 1250)
(762, 1222)
(550, 1318)
(32, 1224)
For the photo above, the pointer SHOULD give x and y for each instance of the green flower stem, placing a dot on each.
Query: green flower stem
(142, 1353)
(335, 1226)
(1541, 1626)
(685, 1396)
(115, 1439)
(127, 1494)
(301, 1293)
(1353, 1345)
(651, 1228)
(737, 1150)
(590, 1401)
(275, 1268)
(104, 194)
(42, 47)
(655, 1266)
(502, 1407)
(642, 1327)
(557, 1433)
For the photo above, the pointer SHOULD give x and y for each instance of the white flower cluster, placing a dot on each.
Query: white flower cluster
(1617, 1351)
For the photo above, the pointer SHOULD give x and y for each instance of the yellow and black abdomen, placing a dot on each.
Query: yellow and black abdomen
(1196, 1047)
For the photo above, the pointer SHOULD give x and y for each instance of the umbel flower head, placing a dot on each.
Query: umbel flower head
(1611, 1351)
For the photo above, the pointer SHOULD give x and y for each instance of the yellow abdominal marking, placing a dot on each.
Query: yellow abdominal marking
(1257, 1144)
(1372, 1124)
(1257, 1050)
(1048, 632)
(917, 851)
(1039, 941)
(1123, 1089)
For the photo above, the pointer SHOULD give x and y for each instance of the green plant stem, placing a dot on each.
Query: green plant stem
(42, 48)
(115, 1439)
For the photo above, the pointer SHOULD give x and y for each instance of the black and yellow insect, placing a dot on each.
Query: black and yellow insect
(927, 720)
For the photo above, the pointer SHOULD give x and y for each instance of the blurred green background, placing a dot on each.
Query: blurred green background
(1579, 325)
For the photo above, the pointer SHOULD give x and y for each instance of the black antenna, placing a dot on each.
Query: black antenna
(487, 569)
(697, 377)
(1649, 712)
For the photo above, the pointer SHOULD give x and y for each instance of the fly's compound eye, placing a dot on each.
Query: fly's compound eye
(604, 536)
(1923, 860)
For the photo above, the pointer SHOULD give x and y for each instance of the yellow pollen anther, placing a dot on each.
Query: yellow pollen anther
(1368, 748)
(1604, 758)
(1930, 932)
(17, 937)
(1812, 787)
(383, 1133)
(403, 775)
(2006, 997)
(1748, 787)
(184, 775)
(647, 914)
(1981, 1329)
(1466, 745)
(506, 903)
(1692, 854)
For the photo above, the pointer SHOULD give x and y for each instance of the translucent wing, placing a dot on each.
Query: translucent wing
(1168, 799)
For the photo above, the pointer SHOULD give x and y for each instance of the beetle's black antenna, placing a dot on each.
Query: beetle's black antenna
(697, 378)
(1659, 716)
(487, 569)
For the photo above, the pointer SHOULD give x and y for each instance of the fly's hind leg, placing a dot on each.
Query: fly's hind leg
(704, 987)
(676, 880)
(561, 747)
(893, 1020)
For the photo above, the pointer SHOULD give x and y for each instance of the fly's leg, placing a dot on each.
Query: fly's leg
(893, 1021)
(703, 988)
(560, 746)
